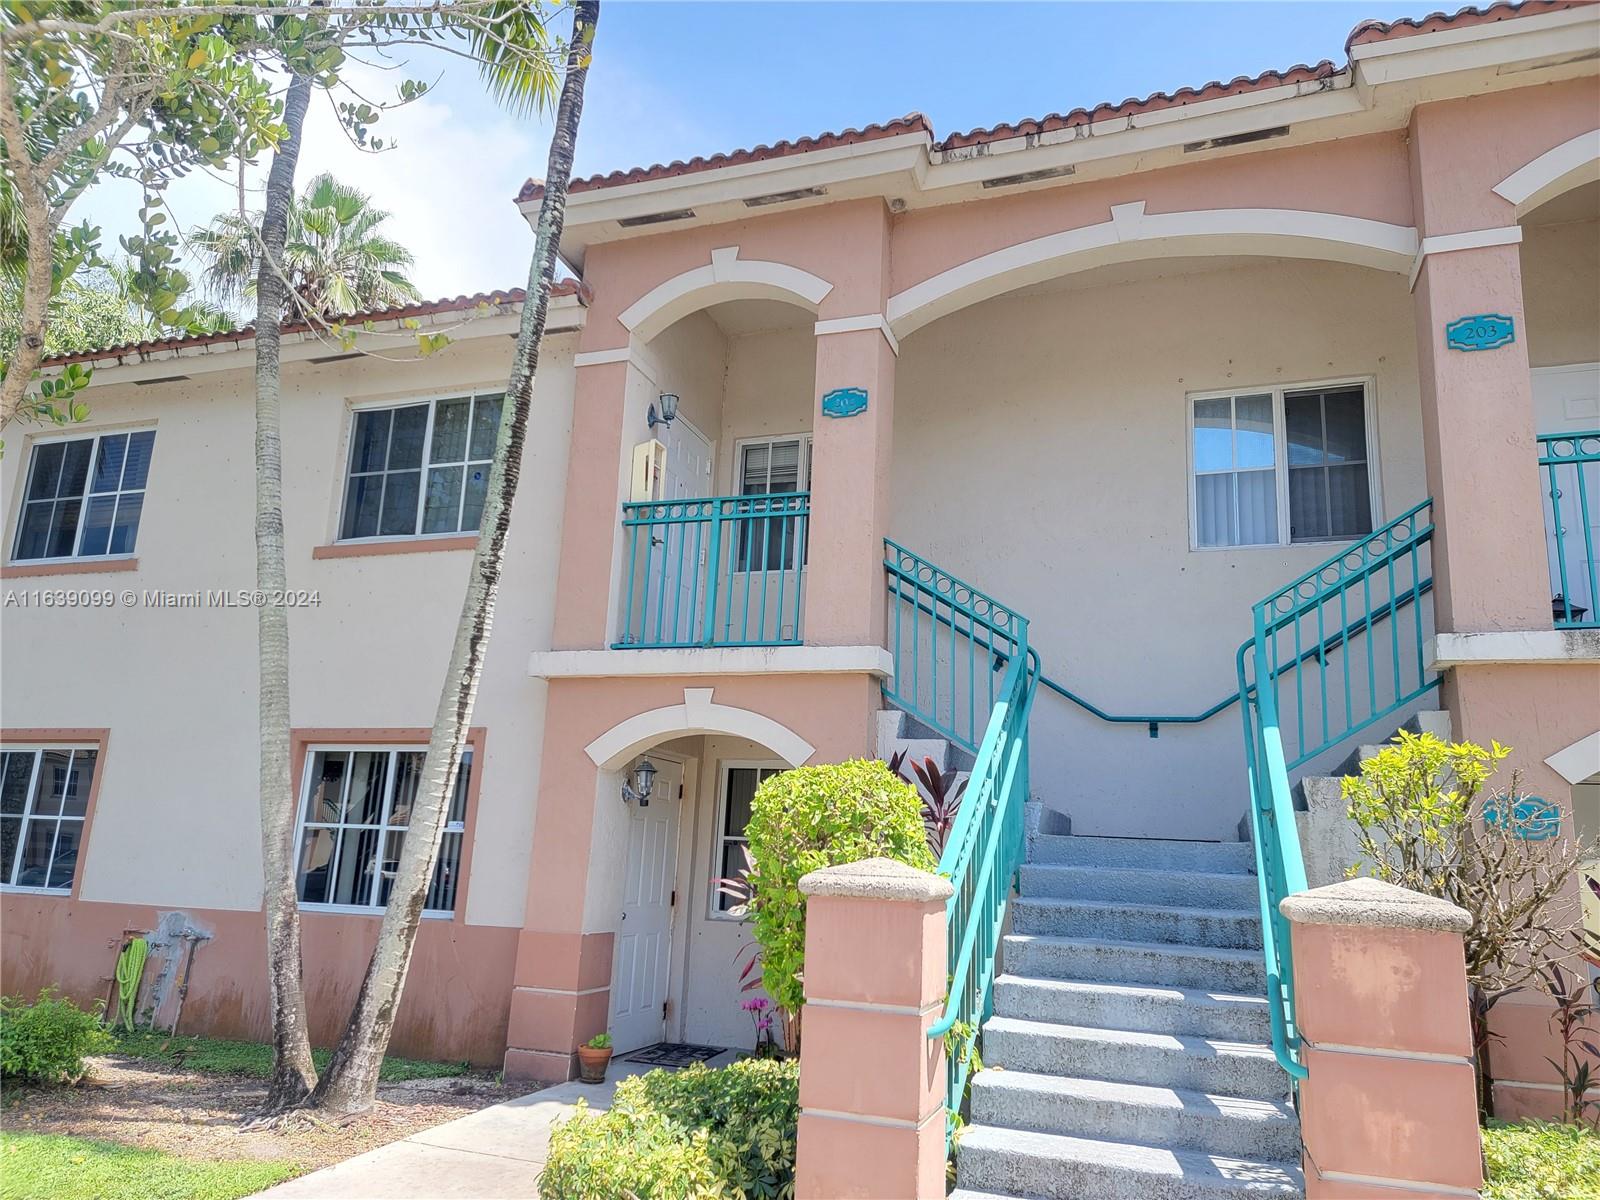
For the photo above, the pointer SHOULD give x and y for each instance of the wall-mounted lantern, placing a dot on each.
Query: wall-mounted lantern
(639, 783)
(667, 412)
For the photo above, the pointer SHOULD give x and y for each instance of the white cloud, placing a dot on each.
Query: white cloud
(448, 186)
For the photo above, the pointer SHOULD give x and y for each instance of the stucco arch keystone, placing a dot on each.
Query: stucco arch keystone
(1132, 233)
(698, 714)
(726, 277)
(1557, 170)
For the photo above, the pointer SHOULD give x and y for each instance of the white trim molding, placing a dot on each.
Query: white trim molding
(1411, 1186)
(852, 324)
(600, 358)
(696, 715)
(1579, 761)
(1473, 239)
(1554, 646)
(726, 277)
(695, 660)
(1569, 165)
(1133, 234)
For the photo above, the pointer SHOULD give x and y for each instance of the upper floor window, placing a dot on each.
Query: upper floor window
(420, 468)
(44, 800)
(354, 812)
(1275, 466)
(767, 467)
(84, 496)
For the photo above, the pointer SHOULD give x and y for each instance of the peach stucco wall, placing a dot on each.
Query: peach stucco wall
(455, 1008)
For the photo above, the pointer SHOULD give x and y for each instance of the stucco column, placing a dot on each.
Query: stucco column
(872, 1116)
(850, 467)
(593, 515)
(1478, 440)
(1380, 983)
(560, 994)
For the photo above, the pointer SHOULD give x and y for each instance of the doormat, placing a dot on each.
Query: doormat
(673, 1054)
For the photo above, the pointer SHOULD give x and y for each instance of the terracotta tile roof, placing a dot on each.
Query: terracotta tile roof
(1367, 31)
(910, 123)
(423, 308)
(1382, 31)
(1300, 73)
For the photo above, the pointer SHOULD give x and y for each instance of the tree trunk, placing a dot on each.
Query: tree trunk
(292, 1072)
(351, 1081)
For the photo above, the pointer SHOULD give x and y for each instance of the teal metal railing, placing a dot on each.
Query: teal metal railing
(1570, 463)
(950, 643)
(718, 571)
(963, 666)
(1334, 652)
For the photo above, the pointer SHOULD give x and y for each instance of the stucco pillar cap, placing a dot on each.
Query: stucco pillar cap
(1374, 903)
(876, 879)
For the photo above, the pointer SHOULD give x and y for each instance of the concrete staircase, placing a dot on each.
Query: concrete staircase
(1128, 1057)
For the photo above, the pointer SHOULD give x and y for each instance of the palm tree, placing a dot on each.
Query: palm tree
(335, 257)
(351, 1080)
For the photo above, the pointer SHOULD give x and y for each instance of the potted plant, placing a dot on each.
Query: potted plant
(593, 1058)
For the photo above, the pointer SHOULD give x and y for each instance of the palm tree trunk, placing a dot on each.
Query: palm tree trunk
(292, 1072)
(350, 1083)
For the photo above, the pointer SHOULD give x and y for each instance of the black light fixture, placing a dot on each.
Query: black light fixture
(639, 783)
(667, 413)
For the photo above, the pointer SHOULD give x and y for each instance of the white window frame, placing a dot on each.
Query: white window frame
(38, 750)
(1280, 457)
(27, 478)
(736, 482)
(736, 488)
(383, 828)
(432, 401)
(719, 835)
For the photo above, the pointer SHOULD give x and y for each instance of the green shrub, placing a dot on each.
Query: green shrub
(47, 1041)
(814, 817)
(1538, 1160)
(694, 1134)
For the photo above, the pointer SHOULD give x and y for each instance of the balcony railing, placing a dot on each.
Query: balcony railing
(718, 571)
(1569, 466)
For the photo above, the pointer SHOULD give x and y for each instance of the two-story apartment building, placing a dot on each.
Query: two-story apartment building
(1128, 369)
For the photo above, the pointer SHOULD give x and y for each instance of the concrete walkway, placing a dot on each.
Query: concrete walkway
(496, 1153)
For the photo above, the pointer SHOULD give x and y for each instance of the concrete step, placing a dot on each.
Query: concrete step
(1016, 1162)
(1145, 854)
(895, 736)
(1142, 1008)
(1134, 1112)
(1188, 889)
(1103, 960)
(1159, 1059)
(1129, 921)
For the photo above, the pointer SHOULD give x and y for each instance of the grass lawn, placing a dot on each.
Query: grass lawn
(1537, 1160)
(220, 1057)
(51, 1167)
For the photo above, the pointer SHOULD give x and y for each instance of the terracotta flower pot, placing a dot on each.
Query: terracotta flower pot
(592, 1064)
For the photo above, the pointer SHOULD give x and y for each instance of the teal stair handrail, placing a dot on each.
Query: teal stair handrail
(1570, 463)
(1331, 643)
(963, 667)
(949, 642)
(1363, 588)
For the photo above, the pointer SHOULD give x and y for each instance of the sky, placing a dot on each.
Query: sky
(673, 80)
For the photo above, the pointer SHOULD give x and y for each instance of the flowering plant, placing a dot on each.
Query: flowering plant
(759, 1008)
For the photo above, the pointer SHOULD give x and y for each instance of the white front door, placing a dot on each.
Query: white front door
(677, 558)
(1567, 400)
(644, 930)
